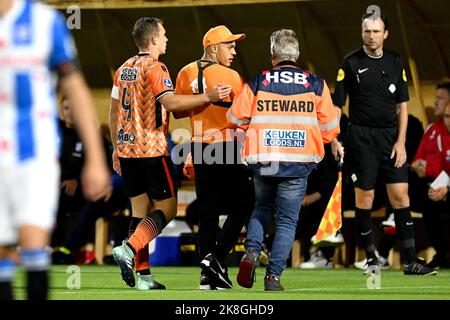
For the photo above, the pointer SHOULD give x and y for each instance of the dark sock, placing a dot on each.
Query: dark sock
(36, 263)
(147, 230)
(328, 252)
(131, 247)
(133, 225)
(6, 277)
(37, 285)
(160, 219)
(387, 242)
(405, 230)
(144, 272)
(365, 230)
(6, 291)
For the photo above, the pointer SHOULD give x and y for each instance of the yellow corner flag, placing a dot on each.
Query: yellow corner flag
(332, 218)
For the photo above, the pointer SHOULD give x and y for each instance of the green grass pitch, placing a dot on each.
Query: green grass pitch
(105, 283)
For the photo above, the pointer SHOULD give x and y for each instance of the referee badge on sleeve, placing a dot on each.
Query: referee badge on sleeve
(392, 88)
(340, 75)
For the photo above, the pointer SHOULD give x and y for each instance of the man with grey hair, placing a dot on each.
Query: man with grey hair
(288, 115)
(283, 43)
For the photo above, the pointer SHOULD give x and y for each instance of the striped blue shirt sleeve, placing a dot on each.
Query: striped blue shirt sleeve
(63, 48)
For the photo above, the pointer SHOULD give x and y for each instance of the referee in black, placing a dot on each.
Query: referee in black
(375, 82)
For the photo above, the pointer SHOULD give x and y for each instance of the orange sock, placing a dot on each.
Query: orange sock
(141, 259)
(147, 230)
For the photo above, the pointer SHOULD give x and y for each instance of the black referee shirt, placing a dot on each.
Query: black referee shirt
(374, 86)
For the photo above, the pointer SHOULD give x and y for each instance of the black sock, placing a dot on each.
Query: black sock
(133, 224)
(385, 245)
(6, 291)
(156, 218)
(405, 230)
(365, 230)
(159, 218)
(144, 272)
(328, 252)
(37, 285)
(131, 247)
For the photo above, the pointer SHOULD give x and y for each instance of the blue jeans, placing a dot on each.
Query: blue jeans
(283, 197)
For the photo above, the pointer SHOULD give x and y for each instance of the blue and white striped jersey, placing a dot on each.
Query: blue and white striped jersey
(34, 41)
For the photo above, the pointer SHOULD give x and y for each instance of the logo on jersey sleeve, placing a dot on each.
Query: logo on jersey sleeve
(392, 88)
(167, 83)
(404, 75)
(129, 74)
(340, 75)
(285, 138)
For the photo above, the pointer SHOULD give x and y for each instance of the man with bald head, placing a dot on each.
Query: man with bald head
(375, 81)
(222, 182)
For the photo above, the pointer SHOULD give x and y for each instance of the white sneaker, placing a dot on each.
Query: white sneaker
(335, 239)
(146, 282)
(373, 269)
(383, 263)
(317, 261)
(389, 222)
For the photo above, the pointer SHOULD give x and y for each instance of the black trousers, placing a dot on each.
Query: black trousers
(222, 189)
(436, 218)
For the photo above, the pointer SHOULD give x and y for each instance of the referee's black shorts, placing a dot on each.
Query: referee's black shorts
(154, 176)
(367, 155)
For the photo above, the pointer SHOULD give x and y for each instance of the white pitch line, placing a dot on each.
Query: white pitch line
(289, 290)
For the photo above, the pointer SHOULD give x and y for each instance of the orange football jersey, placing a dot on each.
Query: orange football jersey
(142, 122)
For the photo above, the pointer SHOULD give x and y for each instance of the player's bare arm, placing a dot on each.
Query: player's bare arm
(113, 132)
(176, 103)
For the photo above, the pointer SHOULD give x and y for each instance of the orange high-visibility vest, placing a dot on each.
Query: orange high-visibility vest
(287, 114)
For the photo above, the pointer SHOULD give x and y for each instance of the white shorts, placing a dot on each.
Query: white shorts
(28, 196)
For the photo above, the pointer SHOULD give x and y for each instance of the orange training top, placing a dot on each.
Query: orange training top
(209, 123)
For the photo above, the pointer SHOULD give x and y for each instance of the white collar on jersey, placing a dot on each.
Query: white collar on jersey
(372, 56)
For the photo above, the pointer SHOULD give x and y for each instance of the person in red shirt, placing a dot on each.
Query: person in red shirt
(433, 157)
(426, 163)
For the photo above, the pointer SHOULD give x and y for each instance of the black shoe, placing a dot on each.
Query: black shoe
(59, 257)
(418, 268)
(272, 283)
(433, 264)
(216, 272)
(373, 267)
(109, 260)
(437, 263)
(157, 286)
(246, 274)
(205, 282)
